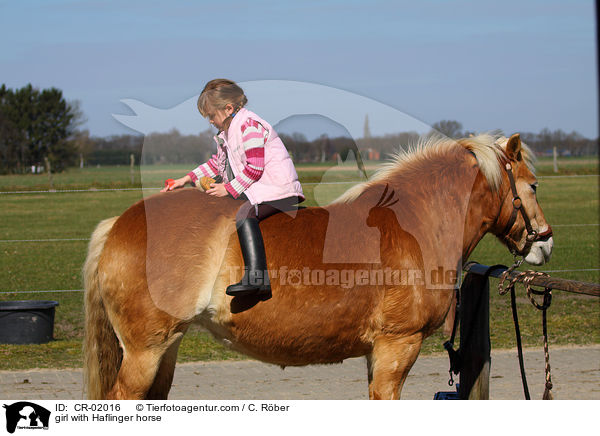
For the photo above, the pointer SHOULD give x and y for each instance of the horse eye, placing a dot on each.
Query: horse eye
(534, 187)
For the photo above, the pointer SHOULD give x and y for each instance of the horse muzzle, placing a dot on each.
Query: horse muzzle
(540, 249)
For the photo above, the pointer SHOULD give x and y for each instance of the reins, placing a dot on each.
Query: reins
(527, 277)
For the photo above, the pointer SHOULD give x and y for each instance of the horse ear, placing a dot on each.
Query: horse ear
(513, 147)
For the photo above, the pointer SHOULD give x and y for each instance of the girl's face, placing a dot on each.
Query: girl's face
(218, 116)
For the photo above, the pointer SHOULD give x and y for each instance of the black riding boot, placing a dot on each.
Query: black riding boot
(256, 278)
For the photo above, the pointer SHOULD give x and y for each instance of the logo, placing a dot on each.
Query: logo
(26, 415)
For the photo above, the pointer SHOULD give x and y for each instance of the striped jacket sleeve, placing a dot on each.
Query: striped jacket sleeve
(208, 169)
(254, 137)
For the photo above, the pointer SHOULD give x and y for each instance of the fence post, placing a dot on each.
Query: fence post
(50, 180)
(132, 167)
(475, 349)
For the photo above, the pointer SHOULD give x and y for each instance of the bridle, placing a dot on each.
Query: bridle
(532, 235)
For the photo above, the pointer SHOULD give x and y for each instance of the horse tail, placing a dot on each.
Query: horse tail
(102, 355)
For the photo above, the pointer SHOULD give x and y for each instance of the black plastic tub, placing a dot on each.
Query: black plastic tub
(27, 322)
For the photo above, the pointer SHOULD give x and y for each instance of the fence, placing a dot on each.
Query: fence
(473, 357)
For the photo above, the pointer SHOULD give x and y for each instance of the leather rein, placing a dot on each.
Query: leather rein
(532, 235)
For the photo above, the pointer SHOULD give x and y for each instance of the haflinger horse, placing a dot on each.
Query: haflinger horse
(166, 261)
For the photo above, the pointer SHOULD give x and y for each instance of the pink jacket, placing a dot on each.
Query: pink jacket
(279, 179)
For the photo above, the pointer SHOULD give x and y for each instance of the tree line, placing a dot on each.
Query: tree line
(175, 148)
(543, 143)
(39, 127)
(36, 127)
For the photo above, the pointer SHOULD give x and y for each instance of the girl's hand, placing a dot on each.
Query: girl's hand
(178, 183)
(217, 189)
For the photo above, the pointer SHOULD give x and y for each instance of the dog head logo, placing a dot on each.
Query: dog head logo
(26, 415)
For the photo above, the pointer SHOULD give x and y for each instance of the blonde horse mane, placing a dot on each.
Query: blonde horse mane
(488, 148)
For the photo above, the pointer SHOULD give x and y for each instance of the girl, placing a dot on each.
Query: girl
(254, 166)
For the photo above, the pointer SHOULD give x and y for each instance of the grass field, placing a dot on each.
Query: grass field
(44, 236)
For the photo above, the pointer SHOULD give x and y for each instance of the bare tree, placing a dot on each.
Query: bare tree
(449, 128)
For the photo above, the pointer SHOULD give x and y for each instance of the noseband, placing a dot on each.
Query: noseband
(532, 235)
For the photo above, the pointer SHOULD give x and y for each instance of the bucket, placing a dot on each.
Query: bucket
(26, 322)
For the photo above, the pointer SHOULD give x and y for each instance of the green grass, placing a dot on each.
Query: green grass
(567, 166)
(37, 266)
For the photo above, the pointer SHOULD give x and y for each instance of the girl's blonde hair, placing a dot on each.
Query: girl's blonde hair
(218, 93)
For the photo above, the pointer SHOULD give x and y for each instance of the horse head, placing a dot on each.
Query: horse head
(521, 225)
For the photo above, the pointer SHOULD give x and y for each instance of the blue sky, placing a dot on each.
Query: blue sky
(512, 65)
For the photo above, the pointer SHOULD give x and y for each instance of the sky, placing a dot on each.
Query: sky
(515, 65)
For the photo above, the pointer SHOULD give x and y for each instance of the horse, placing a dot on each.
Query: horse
(371, 274)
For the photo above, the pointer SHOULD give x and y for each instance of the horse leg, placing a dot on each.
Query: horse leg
(139, 369)
(392, 358)
(135, 375)
(164, 377)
